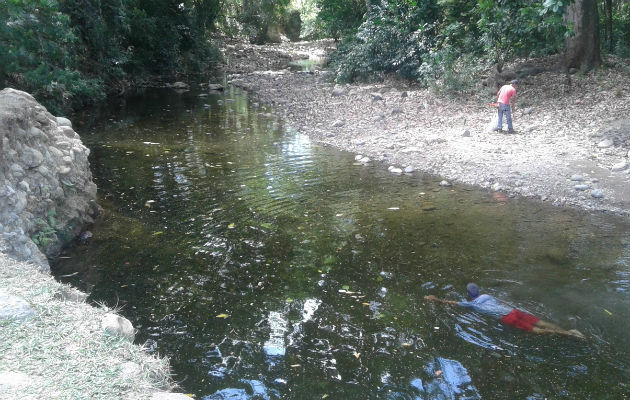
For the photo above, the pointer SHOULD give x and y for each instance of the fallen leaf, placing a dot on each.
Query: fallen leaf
(289, 300)
(366, 304)
(231, 226)
(222, 316)
(325, 396)
(296, 365)
(345, 287)
(158, 233)
(357, 355)
(607, 312)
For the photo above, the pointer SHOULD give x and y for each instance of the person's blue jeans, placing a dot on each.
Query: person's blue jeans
(504, 109)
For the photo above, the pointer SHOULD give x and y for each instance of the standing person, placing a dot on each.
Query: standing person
(505, 99)
(509, 315)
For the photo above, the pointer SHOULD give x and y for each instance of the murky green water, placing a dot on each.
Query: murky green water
(268, 267)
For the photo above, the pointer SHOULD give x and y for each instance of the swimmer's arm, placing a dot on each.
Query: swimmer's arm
(433, 298)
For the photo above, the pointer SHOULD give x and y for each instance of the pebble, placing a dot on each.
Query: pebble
(604, 144)
(581, 187)
(337, 124)
(598, 194)
(577, 178)
(445, 183)
(619, 166)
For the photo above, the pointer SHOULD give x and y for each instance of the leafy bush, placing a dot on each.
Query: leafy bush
(40, 53)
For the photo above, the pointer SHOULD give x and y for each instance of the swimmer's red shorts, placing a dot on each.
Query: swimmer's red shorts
(520, 319)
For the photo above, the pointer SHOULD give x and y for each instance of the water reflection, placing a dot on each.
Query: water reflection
(265, 266)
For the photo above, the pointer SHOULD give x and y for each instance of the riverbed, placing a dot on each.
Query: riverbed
(265, 264)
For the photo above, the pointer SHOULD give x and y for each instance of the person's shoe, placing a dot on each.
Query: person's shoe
(497, 129)
(511, 131)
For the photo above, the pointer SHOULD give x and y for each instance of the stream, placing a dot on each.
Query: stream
(265, 266)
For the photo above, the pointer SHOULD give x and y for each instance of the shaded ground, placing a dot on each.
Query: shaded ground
(571, 145)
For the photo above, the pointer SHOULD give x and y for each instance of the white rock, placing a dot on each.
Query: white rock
(61, 121)
(358, 157)
(598, 194)
(364, 160)
(620, 166)
(115, 325)
(14, 307)
(604, 144)
(409, 169)
(395, 170)
(577, 178)
(445, 183)
(13, 380)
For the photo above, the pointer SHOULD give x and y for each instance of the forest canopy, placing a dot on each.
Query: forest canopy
(71, 53)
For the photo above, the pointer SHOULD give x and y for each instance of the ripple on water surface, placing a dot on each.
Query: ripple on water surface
(265, 266)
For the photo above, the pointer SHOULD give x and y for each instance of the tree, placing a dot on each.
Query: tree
(582, 48)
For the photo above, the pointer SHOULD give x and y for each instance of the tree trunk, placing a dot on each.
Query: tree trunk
(609, 18)
(582, 49)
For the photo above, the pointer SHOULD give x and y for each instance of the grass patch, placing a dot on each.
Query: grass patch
(63, 350)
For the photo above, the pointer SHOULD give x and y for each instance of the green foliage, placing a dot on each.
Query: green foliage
(340, 18)
(39, 53)
(46, 230)
(434, 41)
(70, 53)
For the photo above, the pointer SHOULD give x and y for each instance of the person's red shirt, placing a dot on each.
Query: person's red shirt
(505, 94)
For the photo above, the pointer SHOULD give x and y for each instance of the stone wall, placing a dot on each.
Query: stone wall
(47, 197)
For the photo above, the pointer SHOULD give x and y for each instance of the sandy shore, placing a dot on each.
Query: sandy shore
(571, 145)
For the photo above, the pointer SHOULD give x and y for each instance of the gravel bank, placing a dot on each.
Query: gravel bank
(571, 146)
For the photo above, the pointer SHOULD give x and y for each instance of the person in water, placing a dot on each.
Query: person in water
(509, 315)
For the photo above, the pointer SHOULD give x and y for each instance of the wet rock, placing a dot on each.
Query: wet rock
(466, 133)
(404, 94)
(581, 187)
(215, 87)
(179, 85)
(115, 325)
(14, 307)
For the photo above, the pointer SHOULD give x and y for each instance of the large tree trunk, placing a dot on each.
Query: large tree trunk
(582, 49)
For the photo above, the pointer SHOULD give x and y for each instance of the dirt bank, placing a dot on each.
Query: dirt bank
(571, 145)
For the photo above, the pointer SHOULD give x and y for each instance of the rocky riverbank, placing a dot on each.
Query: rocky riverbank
(571, 146)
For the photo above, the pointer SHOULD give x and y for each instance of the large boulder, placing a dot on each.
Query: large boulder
(46, 188)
